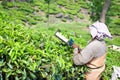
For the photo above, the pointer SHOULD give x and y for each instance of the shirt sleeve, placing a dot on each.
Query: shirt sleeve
(92, 50)
(83, 57)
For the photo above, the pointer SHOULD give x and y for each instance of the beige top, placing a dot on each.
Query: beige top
(93, 50)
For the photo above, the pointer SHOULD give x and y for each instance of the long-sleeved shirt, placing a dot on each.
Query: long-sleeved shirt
(94, 49)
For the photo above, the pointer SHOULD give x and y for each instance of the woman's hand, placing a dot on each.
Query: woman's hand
(75, 46)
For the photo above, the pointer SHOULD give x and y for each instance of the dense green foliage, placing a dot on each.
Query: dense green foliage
(31, 53)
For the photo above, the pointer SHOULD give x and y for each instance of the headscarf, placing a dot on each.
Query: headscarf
(99, 30)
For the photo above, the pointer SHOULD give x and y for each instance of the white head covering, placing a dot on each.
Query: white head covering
(99, 30)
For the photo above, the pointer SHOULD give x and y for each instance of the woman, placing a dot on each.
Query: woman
(94, 54)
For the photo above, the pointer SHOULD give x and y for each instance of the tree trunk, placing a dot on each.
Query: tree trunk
(104, 11)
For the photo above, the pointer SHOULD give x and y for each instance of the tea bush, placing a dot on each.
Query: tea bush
(29, 54)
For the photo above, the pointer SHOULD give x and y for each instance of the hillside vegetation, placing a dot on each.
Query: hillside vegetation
(30, 51)
(37, 12)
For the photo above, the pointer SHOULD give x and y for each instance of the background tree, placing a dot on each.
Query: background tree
(99, 9)
(96, 8)
(104, 11)
(48, 2)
